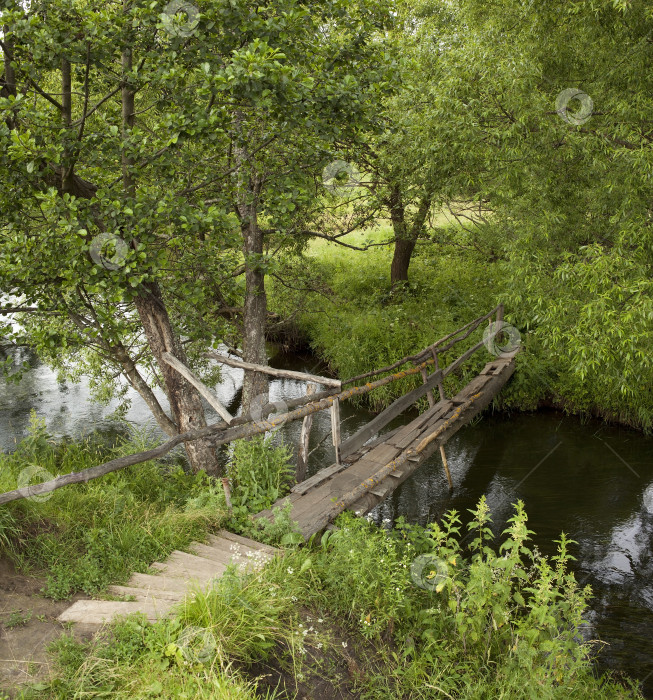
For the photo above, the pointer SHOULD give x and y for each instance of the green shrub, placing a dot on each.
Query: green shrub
(243, 615)
(463, 618)
(565, 356)
(426, 613)
(259, 473)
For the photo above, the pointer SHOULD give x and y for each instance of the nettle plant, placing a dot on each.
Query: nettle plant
(512, 602)
(259, 472)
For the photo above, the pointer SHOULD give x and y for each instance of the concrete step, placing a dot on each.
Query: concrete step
(180, 575)
(100, 611)
(146, 594)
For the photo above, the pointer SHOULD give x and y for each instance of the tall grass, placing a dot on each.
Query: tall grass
(86, 536)
(360, 324)
(356, 323)
(498, 620)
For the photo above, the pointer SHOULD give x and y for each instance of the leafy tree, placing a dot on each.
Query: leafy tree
(418, 156)
(567, 181)
(139, 150)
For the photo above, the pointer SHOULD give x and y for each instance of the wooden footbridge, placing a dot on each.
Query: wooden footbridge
(368, 465)
(367, 474)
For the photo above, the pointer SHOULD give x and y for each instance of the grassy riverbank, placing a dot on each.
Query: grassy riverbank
(355, 323)
(364, 612)
(344, 618)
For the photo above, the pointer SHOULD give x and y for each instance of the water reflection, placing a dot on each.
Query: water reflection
(591, 481)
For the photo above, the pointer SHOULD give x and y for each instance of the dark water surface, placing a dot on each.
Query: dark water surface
(593, 481)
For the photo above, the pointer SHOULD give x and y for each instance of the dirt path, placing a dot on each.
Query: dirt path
(27, 625)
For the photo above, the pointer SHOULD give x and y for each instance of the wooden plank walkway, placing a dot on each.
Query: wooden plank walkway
(368, 468)
(182, 574)
(311, 499)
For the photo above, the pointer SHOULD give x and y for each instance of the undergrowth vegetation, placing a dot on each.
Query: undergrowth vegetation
(457, 614)
(419, 612)
(376, 327)
(451, 283)
(88, 536)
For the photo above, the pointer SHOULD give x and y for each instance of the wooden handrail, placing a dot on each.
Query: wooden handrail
(213, 400)
(420, 355)
(274, 372)
(221, 433)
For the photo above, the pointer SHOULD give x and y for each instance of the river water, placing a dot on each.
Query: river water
(592, 481)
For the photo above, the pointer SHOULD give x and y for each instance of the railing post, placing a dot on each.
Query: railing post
(302, 455)
(495, 328)
(335, 427)
(443, 396)
(227, 492)
(429, 393)
(437, 369)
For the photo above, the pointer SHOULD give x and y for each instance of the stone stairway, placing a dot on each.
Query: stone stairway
(180, 575)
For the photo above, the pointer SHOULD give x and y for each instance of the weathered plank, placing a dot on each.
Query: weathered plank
(407, 439)
(394, 409)
(386, 437)
(381, 454)
(246, 541)
(99, 611)
(184, 573)
(192, 564)
(146, 594)
(156, 583)
(486, 389)
(317, 478)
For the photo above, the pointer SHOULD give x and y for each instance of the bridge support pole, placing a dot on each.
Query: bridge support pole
(302, 456)
(446, 467)
(443, 396)
(335, 427)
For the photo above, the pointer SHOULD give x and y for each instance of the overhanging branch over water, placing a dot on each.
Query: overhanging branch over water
(220, 433)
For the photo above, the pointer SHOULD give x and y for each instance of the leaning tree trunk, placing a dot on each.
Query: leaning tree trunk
(185, 402)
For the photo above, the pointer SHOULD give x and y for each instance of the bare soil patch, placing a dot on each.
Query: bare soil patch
(27, 625)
